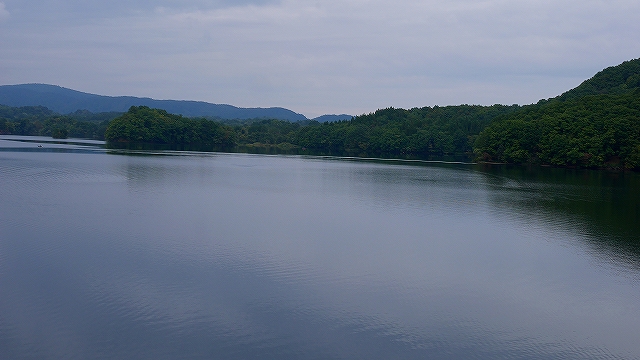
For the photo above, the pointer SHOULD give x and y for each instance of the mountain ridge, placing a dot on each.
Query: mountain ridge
(65, 101)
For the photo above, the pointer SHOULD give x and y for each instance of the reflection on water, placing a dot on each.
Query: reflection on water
(239, 256)
(604, 207)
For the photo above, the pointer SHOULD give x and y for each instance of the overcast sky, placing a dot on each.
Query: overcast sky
(317, 57)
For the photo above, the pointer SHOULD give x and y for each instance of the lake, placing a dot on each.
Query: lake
(180, 255)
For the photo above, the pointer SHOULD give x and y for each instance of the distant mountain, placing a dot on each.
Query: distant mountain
(332, 118)
(65, 101)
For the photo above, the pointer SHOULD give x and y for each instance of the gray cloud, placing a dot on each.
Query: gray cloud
(319, 57)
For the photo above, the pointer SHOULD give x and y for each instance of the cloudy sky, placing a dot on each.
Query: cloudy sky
(317, 57)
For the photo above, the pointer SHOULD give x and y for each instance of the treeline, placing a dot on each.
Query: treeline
(40, 121)
(418, 132)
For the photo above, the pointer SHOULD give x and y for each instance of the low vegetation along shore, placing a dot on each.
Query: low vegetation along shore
(596, 125)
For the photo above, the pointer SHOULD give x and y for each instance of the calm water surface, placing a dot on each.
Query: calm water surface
(113, 255)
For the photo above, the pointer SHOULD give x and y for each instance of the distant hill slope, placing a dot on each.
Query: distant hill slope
(332, 118)
(65, 101)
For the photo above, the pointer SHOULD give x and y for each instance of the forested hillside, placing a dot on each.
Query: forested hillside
(613, 80)
(596, 124)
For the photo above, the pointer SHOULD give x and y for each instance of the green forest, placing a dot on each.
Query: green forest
(595, 125)
(142, 124)
(419, 132)
(40, 121)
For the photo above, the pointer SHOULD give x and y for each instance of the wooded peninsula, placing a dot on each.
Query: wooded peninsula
(595, 125)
